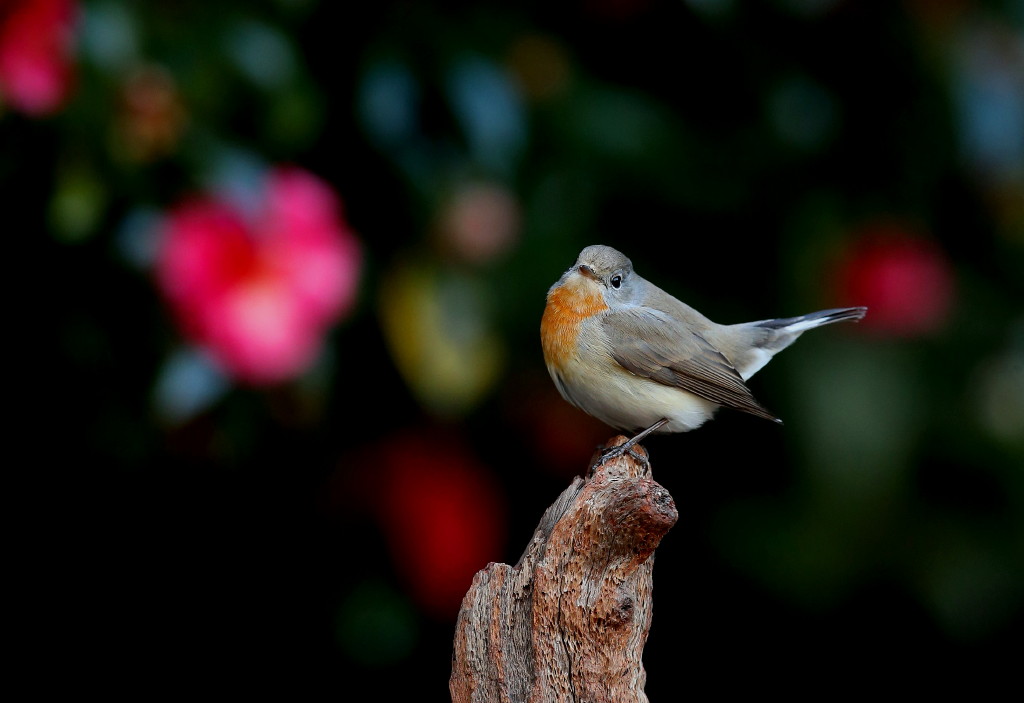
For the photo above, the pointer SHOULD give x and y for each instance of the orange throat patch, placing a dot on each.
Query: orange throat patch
(568, 305)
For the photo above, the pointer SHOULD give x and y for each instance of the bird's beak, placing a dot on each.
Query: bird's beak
(587, 271)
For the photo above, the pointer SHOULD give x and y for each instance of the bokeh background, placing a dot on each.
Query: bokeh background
(290, 261)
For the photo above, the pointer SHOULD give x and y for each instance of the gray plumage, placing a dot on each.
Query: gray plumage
(652, 335)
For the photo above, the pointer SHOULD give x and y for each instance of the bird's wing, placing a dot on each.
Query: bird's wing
(651, 344)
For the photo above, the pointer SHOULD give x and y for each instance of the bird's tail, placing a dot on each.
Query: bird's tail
(766, 338)
(796, 325)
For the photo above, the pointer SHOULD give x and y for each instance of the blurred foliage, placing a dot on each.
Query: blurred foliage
(756, 159)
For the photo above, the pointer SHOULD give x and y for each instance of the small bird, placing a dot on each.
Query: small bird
(623, 350)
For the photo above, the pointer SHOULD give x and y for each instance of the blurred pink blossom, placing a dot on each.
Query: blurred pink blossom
(36, 64)
(260, 292)
(904, 279)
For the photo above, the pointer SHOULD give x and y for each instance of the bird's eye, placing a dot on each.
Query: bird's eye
(616, 281)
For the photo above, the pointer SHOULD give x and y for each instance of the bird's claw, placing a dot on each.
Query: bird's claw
(608, 453)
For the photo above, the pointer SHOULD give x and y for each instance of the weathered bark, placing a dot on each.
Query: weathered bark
(569, 621)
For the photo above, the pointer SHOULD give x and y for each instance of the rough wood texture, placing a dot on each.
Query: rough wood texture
(569, 621)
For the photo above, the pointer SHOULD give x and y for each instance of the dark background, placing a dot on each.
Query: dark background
(756, 159)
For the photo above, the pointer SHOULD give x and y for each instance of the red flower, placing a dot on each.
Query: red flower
(36, 43)
(443, 516)
(259, 293)
(903, 278)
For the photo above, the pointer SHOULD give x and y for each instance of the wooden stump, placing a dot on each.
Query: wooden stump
(569, 621)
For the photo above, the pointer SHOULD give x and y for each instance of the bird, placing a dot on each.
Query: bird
(626, 352)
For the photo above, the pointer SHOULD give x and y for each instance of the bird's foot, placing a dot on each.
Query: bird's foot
(627, 447)
(606, 454)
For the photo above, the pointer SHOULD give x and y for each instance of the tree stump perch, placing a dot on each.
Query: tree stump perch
(570, 620)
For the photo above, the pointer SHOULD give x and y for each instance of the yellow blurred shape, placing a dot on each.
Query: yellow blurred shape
(79, 200)
(540, 65)
(440, 337)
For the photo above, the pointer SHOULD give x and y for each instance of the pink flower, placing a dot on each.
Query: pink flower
(259, 293)
(904, 278)
(36, 43)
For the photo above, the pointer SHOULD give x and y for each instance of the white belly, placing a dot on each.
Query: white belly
(628, 402)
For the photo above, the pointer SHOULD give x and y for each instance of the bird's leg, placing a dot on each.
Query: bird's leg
(628, 445)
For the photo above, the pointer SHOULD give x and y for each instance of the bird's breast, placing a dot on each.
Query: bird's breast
(568, 306)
